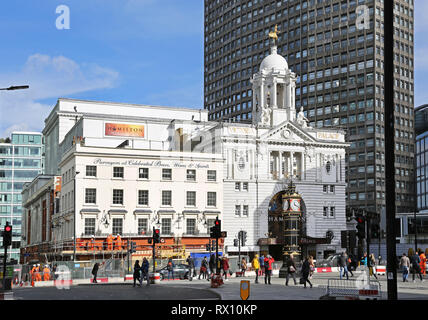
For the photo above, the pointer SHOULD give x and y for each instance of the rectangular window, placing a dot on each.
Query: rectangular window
(211, 199)
(117, 196)
(89, 226)
(332, 211)
(237, 210)
(143, 173)
(143, 197)
(190, 226)
(245, 211)
(191, 198)
(166, 198)
(166, 174)
(118, 226)
(325, 211)
(91, 196)
(212, 175)
(191, 175)
(237, 186)
(117, 172)
(142, 226)
(332, 188)
(91, 171)
(325, 188)
(245, 186)
(166, 226)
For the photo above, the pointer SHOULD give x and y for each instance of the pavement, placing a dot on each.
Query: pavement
(230, 290)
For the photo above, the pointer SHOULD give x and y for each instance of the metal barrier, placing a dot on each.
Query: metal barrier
(353, 289)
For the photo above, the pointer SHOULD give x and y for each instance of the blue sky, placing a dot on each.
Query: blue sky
(136, 51)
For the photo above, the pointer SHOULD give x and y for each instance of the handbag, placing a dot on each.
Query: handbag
(292, 269)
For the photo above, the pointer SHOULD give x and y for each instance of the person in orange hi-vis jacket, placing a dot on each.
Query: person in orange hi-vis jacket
(118, 242)
(38, 273)
(46, 274)
(33, 274)
(91, 243)
(423, 262)
(110, 242)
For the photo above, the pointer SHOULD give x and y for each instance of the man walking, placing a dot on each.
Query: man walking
(94, 272)
(170, 268)
(416, 268)
(211, 264)
(405, 266)
(191, 263)
(341, 263)
(268, 268)
(145, 271)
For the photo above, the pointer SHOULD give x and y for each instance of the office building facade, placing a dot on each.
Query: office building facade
(336, 50)
(21, 160)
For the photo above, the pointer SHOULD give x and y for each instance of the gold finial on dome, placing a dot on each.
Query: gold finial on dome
(274, 34)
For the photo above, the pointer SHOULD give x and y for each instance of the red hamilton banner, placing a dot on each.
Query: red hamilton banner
(124, 130)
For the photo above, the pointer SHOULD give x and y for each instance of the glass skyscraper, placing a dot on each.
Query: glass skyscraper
(21, 160)
(336, 48)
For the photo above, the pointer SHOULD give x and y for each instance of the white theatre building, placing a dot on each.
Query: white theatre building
(126, 167)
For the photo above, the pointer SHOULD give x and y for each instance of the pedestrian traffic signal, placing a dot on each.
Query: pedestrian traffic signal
(156, 236)
(235, 242)
(361, 227)
(208, 247)
(7, 235)
(243, 237)
(133, 247)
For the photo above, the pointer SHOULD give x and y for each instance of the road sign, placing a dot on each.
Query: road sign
(245, 289)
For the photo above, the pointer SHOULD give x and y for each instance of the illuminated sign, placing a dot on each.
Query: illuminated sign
(124, 130)
(57, 184)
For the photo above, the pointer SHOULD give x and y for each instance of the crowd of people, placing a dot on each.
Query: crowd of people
(111, 243)
(42, 273)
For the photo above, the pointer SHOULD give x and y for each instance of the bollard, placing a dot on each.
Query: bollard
(155, 278)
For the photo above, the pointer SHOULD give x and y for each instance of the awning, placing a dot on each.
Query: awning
(142, 211)
(90, 210)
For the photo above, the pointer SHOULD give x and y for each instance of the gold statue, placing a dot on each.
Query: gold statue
(274, 34)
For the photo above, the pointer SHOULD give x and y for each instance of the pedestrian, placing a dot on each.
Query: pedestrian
(145, 271)
(262, 264)
(405, 266)
(305, 273)
(351, 264)
(203, 269)
(46, 273)
(170, 267)
(423, 263)
(191, 262)
(256, 266)
(118, 242)
(225, 267)
(364, 260)
(372, 265)
(243, 266)
(94, 272)
(39, 273)
(211, 264)
(54, 272)
(341, 263)
(311, 266)
(33, 274)
(268, 268)
(415, 266)
(137, 270)
(291, 269)
(348, 262)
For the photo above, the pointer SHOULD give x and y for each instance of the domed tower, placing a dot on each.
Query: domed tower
(274, 88)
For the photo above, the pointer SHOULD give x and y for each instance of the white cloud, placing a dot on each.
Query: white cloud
(48, 78)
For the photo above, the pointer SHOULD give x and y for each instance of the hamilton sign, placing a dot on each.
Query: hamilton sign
(151, 163)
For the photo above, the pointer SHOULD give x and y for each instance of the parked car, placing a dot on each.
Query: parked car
(181, 271)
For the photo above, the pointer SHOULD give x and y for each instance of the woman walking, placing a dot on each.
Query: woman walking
(225, 267)
(306, 269)
(243, 266)
(372, 265)
(291, 270)
(137, 270)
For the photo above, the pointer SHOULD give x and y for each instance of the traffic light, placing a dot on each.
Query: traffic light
(215, 231)
(208, 247)
(156, 236)
(7, 235)
(235, 242)
(344, 239)
(133, 247)
(361, 227)
(243, 235)
(375, 231)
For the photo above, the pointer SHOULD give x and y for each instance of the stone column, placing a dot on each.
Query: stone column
(280, 165)
(274, 93)
(291, 163)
